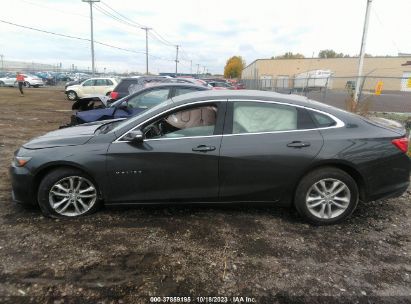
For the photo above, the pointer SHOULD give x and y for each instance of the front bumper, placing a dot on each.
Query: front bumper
(22, 185)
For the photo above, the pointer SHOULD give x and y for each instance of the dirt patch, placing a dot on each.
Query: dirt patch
(127, 255)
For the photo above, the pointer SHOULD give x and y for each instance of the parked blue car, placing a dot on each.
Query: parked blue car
(135, 103)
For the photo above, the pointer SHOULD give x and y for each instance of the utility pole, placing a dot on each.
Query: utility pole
(198, 69)
(92, 37)
(362, 51)
(177, 46)
(146, 29)
(191, 67)
(2, 62)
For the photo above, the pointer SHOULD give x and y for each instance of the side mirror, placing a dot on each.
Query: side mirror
(135, 137)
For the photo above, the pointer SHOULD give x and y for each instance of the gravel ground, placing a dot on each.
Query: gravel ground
(126, 255)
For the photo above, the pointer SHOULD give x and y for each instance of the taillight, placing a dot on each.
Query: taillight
(401, 143)
(114, 95)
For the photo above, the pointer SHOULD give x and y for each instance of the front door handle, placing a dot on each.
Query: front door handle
(203, 148)
(298, 144)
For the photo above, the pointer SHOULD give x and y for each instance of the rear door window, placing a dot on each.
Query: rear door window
(100, 82)
(256, 117)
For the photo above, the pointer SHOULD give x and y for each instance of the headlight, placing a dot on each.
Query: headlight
(21, 161)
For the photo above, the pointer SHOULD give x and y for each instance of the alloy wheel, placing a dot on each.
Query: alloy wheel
(71, 95)
(328, 198)
(72, 196)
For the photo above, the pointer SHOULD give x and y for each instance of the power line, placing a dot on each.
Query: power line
(374, 11)
(122, 16)
(164, 40)
(156, 35)
(108, 14)
(82, 39)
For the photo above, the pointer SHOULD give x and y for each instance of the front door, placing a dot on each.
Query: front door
(267, 148)
(177, 161)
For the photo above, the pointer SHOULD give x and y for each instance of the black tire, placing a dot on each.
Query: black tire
(2, 84)
(71, 95)
(312, 178)
(50, 180)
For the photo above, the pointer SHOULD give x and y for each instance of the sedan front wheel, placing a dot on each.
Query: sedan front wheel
(67, 193)
(326, 196)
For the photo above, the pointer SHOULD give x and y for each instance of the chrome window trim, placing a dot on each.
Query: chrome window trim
(184, 137)
(339, 122)
(163, 112)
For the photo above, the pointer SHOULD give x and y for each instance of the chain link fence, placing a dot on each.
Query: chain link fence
(379, 94)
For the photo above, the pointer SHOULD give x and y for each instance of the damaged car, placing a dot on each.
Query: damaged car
(218, 147)
(90, 110)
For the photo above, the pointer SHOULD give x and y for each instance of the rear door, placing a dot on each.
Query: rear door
(265, 149)
(100, 87)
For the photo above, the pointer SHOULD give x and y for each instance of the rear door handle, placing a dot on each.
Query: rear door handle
(203, 148)
(298, 144)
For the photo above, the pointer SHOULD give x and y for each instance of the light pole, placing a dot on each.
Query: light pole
(362, 51)
(177, 46)
(92, 37)
(146, 29)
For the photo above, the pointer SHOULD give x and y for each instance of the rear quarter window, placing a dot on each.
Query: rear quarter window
(322, 120)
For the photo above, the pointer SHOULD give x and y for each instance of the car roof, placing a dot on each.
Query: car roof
(176, 84)
(239, 95)
(232, 96)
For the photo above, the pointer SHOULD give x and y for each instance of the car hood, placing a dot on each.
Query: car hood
(73, 87)
(73, 136)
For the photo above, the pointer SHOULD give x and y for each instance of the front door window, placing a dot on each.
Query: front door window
(198, 121)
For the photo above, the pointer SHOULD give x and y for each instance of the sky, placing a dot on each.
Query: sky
(209, 32)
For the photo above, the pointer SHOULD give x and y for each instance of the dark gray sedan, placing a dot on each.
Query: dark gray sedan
(218, 146)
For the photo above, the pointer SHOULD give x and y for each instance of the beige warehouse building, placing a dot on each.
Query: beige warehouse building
(394, 72)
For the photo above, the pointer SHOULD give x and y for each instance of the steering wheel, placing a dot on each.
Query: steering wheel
(154, 131)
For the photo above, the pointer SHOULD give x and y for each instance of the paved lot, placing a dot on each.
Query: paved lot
(126, 255)
(386, 102)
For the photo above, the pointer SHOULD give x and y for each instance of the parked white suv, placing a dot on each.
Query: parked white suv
(91, 87)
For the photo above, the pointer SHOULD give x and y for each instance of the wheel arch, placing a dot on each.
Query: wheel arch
(43, 171)
(348, 168)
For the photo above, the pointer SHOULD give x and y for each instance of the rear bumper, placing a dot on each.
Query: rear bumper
(22, 185)
(396, 191)
(389, 178)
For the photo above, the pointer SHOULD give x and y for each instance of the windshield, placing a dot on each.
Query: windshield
(118, 102)
(148, 112)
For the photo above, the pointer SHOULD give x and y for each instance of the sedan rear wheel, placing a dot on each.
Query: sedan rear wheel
(326, 196)
(67, 193)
